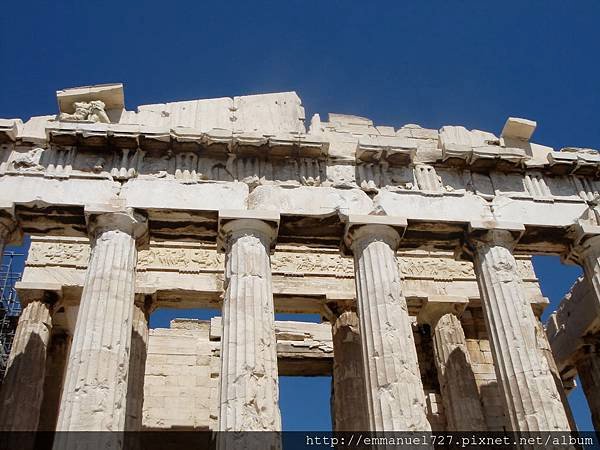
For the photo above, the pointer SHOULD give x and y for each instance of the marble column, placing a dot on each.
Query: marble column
(460, 396)
(96, 381)
(22, 389)
(348, 375)
(546, 349)
(529, 394)
(588, 369)
(396, 400)
(56, 360)
(249, 392)
(586, 252)
(143, 306)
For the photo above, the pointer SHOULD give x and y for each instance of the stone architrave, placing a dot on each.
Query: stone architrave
(529, 394)
(249, 392)
(22, 388)
(96, 382)
(395, 396)
(460, 396)
(348, 375)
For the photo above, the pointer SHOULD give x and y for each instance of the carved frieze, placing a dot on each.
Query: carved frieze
(289, 261)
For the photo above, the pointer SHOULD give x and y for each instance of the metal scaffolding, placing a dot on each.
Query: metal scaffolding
(10, 308)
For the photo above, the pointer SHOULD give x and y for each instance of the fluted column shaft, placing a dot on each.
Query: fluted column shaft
(56, 360)
(95, 389)
(588, 369)
(249, 393)
(396, 401)
(137, 365)
(460, 395)
(530, 397)
(348, 375)
(22, 389)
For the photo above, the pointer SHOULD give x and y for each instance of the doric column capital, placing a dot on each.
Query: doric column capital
(585, 241)
(10, 232)
(485, 234)
(37, 295)
(146, 302)
(363, 229)
(108, 218)
(236, 222)
(438, 305)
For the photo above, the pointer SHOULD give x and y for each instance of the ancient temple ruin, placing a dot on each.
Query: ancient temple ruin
(414, 246)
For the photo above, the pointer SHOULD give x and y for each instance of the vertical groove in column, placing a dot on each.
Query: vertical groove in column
(349, 394)
(394, 386)
(249, 392)
(137, 369)
(588, 369)
(460, 395)
(531, 400)
(94, 398)
(546, 349)
(22, 389)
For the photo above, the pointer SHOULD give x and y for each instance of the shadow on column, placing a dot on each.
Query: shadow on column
(464, 379)
(21, 397)
(135, 392)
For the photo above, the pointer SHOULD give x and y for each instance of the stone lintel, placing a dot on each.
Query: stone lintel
(517, 128)
(485, 229)
(436, 306)
(231, 219)
(111, 94)
(303, 349)
(356, 226)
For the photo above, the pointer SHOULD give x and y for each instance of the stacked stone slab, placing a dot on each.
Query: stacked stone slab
(247, 211)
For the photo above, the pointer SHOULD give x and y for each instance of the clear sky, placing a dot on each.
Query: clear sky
(432, 63)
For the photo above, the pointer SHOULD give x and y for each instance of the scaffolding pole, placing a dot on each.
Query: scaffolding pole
(10, 308)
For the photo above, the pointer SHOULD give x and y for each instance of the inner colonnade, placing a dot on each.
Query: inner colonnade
(100, 193)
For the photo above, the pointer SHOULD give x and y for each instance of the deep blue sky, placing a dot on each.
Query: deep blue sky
(431, 63)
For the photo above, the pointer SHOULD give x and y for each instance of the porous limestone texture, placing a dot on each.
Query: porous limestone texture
(22, 388)
(95, 387)
(182, 359)
(531, 399)
(396, 400)
(249, 383)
